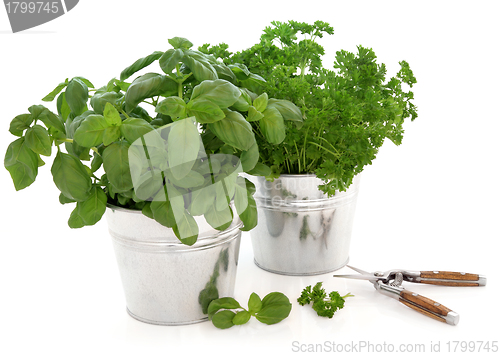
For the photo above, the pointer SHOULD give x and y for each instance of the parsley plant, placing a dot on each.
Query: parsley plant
(348, 110)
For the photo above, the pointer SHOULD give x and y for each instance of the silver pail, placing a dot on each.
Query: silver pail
(301, 231)
(166, 282)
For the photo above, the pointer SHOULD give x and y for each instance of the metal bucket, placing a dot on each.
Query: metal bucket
(301, 231)
(166, 282)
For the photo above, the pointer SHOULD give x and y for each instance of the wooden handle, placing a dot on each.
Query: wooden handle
(453, 279)
(428, 307)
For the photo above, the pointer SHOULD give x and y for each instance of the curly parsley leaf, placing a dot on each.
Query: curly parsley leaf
(321, 303)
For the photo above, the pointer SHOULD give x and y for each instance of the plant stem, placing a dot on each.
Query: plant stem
(179, 82)
(124, 114)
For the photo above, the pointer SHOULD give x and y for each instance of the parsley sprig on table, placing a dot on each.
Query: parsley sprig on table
(349, 110)
(321, 303)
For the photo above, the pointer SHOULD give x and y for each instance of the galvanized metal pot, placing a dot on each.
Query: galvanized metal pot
(301, 231)
(166, 282)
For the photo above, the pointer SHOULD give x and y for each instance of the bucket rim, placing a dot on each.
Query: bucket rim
(202, 242)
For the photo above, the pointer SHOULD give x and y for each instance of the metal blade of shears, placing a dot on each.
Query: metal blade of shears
(363, 275)
(358, 276)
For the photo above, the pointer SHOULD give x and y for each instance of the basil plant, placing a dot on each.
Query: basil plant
(171, 144)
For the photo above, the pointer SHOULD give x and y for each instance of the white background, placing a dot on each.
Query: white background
(432, 203)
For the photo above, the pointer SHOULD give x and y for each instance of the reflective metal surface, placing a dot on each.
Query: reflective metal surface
(166, 282)
(301, 231)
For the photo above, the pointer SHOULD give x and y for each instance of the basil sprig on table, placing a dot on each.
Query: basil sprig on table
(203, 106)
(227, 312)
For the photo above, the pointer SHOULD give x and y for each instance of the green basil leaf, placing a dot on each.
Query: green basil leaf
(75, 221)
(275, 298)
(146, 210)
(85, 81)
(116, 164)
(52, 121)
(172, 106)
(254, 303)
(250, 158)
(20, 123)
(140, 113)
(250, 187)
(72, 125)
(180, 42)
(234, 130)
(223, 319)
(38, 140)
(249, 217)
(96, 162)
(147, 86)
(22, 163)
(100, 99)
(274, 314)
(219, 220)
(287, 109)
(272, 126)
(122, 199)
(111, 134)
(275, 307)
(201, 200)
(134, 128)
(240, 197)
(62, 106)
(253, 114)
(91, 131)
(191, 180)
(93, 208)
(220, 92)
(205, 111)
(148, 184)
(52, 95)
(161, 120)
(71, 177)
(170, 59)
(77, 94)
(254, 82)
(198, 64)
(223, 72)
(140, 64)
(183, 146)
(40, 161)
(222, 303)
(63, 199)
(260, 169)
(241, 317)
(240, 70)
(112, 115)
(37, 111)
(162, 209)
(243, 103)
(186, 228)
(260, 103)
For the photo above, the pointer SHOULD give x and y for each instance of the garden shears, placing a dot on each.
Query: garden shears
(389, 283)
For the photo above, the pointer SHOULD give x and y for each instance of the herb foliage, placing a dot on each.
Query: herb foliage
(226, 312)
(202, 106)
(323, 304)
(349, 110)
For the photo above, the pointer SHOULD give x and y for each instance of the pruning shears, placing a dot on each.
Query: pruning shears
(389, 283)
